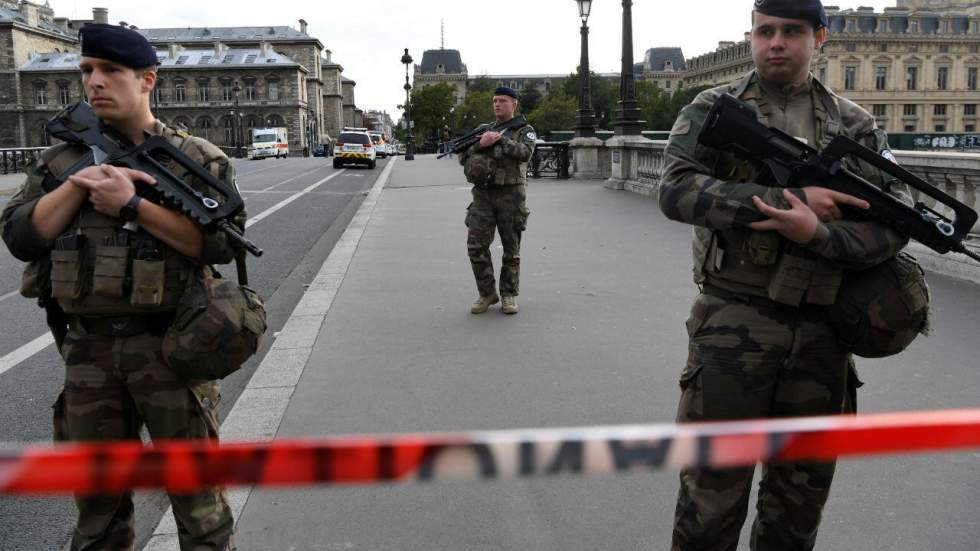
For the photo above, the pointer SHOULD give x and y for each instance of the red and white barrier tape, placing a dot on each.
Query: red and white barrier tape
(182, 466)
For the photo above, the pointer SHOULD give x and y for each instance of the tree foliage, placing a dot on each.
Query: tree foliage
(430, 109)
(605, 96)
(529, 100)
(556, 112)
(475, 110)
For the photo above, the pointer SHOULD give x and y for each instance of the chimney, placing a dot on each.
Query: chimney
(30, 14)
(100, 15)
(328, 53)
(219, 49)
(172, 50)
(264, 49)
(302, 26)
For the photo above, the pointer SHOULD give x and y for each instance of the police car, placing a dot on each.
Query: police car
(354, 146)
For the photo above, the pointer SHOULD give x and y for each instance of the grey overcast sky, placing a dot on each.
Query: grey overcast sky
(367, 37)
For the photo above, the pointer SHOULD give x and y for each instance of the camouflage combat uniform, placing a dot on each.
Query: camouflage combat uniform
(760, 345)
(499, 177)
(116, 378)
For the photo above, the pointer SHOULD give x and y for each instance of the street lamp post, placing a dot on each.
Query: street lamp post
(410, 137)
(585, 119)
(236, 124)
(628, 121)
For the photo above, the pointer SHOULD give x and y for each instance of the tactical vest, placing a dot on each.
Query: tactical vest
(765, 264)
(98, 267)
(492, 168)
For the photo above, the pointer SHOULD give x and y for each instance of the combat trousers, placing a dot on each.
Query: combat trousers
(753, 361)
(502, 208)
(112, 387)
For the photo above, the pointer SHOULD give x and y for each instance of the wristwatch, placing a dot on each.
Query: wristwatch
(129, 211)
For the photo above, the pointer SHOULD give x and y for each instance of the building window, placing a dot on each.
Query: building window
(881, 78)
(205, 128)
(181, 60)
(203, 92)
(227, 94)
(273, 90)
(851, 26)
(229, 130)
(939, 109)
(155, 94)
(205, 59)
(40, 94)
(667, 84)
(942, 78)
(940, 128)
(250, 91)
(971, 78)
(882, 48)
(851, 47)
(911, 78)
(970, 109)
(910, 128)
(914, 48)
(909, 109)
(970, 128)
(914, 26)
(64, 94)
(878, 109)
(180, 92)
(850, 77)
(974, 48)
(944, 48)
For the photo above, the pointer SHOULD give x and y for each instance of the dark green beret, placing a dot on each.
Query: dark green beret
(119, 44)
(810, 10)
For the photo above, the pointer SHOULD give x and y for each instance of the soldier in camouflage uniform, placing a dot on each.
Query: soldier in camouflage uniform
(497, 168)
(117, 266)
(769, 262)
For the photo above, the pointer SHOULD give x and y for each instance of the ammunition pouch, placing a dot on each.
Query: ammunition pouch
(480, 170)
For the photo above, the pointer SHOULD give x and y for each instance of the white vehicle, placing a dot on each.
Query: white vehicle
(354, 145)
(269, 142)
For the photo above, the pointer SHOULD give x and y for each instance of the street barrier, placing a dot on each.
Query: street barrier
(182, 466)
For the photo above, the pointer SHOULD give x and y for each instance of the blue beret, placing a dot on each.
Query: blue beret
(505, 91)
(809, 10)
(119, 44)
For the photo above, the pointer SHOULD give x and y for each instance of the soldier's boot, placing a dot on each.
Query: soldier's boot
(510, 306)
(483, 304)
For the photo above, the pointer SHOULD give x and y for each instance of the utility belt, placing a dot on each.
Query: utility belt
(123, 326)
(761, 302)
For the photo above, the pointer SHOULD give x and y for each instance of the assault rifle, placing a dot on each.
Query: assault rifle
(731, 125)
(78, 124)
(467, 140)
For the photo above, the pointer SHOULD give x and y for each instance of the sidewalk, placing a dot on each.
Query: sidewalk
(599, 340)
(10, 182)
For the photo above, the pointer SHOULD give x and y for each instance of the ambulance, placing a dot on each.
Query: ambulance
(269, 142)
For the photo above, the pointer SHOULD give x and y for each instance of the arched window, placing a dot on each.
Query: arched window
(180, 90)
(272, 88)
(274, 121)
(45, 138)
(204, 127)
(251, 122)
(228, 123)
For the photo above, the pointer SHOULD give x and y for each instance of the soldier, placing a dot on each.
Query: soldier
(497, 168)
(769, 262)
(101, 248)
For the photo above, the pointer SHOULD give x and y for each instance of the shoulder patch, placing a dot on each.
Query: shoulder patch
(681, 126)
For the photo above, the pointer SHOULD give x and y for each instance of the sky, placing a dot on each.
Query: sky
(368, 37)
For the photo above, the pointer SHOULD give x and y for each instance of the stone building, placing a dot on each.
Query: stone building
(914, 67)
(217, 82)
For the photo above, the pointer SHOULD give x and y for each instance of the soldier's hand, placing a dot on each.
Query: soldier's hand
(798, 223)
(112, 189)
(490, 138)
(826, 202)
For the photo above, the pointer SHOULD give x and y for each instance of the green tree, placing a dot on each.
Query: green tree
(556, 112)
(605, 95)
(482, 84)
(475, 110)
(529, 100)
(430, 109)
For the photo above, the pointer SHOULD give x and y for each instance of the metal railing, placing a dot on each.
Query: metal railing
(15, 159)
(550, 158)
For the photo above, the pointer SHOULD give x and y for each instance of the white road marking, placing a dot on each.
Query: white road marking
(14, 358)
(8, 295)
(260, 407)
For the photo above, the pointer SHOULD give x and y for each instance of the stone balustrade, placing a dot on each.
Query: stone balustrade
(637, 165)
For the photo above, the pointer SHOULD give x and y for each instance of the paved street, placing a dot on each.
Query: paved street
(599, 340)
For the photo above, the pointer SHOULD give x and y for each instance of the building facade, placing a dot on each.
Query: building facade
(215, 82)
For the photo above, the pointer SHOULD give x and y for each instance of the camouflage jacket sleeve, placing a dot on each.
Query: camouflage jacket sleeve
(518, 148)
(690, 192)
(857, 244)
(16, 221)
(216, 247)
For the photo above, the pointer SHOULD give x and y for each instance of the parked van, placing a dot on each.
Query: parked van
(269, 142)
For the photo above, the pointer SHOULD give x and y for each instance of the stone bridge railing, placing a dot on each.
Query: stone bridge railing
(637, 165)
